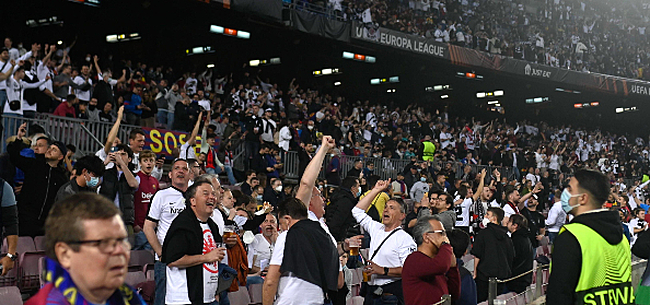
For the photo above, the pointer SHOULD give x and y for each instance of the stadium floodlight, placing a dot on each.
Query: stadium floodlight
(327, 71)
(210, 66)
(626, 109)
(254, 63)
(390, 90)
(264, 62)
(498, 93)
(375, 81)
(497, 105)
(393, 79)
(493, 102)
(229, 32)
(619, 110)
(337, 83)
(60, 42)
(444, 96)
(199, 50)
(359, 57)
(480, 94)
(122, 37)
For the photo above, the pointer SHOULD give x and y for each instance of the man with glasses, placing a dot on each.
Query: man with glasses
(87, 254)
(389, 247)
(165, 206)
(193, 249)
(431, 271)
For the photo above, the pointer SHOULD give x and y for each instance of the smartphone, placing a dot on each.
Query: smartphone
(114, 149)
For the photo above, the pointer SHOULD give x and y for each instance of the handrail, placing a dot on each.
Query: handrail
(92, 136)
(445, 300)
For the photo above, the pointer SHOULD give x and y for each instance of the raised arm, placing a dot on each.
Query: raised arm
(379, 187)
(311, 171)
(113, 133)
(9, 72)
(481, 184)
(538, 188)
(96, 61)
(195, 131)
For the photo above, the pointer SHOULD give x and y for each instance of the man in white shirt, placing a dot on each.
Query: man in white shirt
(204, 102)
(165, 206)
(261, 249)
(13, 52)
(268, 126)
(386, 262)
(515, 202)
(190, 83)
(85, 84)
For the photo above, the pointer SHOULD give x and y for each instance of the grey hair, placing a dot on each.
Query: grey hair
(421, 227)
(207, 177)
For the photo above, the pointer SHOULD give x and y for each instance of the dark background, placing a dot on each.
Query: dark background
(168, 28)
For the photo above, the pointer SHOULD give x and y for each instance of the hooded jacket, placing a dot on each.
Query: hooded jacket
(495, 250)
(567, 254)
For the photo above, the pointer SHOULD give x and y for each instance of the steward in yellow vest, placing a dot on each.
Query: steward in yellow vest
(591, 256)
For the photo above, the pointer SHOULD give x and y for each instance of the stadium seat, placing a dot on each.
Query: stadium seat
(25, 244)
(139, 259)
(10, 296)
(28, 270)
(11, 279)
(255, 292)
(240, 297)
(134, 277)
(39, 243)
(41, 271)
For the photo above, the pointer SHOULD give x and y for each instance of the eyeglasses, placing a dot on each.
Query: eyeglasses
(443, 232)
(106, 245)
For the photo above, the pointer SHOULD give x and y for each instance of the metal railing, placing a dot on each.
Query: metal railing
(326, 9)
(86, 136)
(445, 300)
(383, 167)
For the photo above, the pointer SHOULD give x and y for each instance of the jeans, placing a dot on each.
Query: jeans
(160, 277)
(141, 242)
(254, 280)
(252, 147)
(162, 117)
(170, 120)
(552, 236)
(30, 114)
(132, 118)
(3, 100)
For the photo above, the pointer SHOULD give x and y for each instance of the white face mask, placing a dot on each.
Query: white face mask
(278, 188)
(485, 222)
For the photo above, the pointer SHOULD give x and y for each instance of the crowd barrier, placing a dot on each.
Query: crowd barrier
(88, 137)
(383, 167)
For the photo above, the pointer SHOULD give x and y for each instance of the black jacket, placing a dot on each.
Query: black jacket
(185, 237)
(182, 119)
(338, 214)
(41, 184)
(495, 250)
(522, 261)
(272, 196)
(70, 188)
(567, 254)
(112, 186)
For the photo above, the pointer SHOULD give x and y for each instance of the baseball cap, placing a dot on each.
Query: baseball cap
(61, 147)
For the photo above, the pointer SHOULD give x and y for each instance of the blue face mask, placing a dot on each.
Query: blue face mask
(259, 197)
(93, 182)
(423, 179)
(359, 192)
(566, 196)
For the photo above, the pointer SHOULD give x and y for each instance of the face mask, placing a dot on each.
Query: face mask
(566, 196)
(310, 127)
(279, 188)
(87, 58)
(359, 192)
(485, 222)
(92, 107)
(423, 179)
(258, 197)
(93, 182)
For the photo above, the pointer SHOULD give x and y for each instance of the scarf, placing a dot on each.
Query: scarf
(61, 280)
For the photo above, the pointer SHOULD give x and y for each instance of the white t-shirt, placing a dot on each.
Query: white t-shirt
(165, 206)
(292, 290)
(190, 85)
(508, 211)
(205, 104)
(260, 249)
(635, 224)
(366, 16)
(82, 95)
(462, 212)
(394, 251)
(177, 290)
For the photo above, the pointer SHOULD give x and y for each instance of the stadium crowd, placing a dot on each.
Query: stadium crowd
(433, 205)
(590, 36)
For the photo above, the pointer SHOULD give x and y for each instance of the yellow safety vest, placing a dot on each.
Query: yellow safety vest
(606, 271)
(428, 151)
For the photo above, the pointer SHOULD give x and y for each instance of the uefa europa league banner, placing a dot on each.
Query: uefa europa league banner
(468, 57)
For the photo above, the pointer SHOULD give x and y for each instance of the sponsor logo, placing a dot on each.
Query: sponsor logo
(173, 210)
(639, 90)
(209, 245)
(530, 71)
